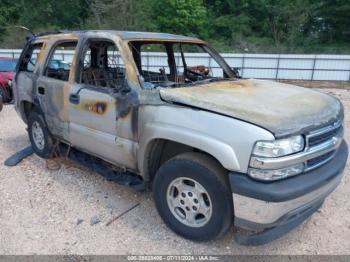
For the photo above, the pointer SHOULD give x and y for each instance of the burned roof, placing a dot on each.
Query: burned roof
(127, 35)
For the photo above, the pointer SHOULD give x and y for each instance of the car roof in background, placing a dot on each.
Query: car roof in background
(8, 58)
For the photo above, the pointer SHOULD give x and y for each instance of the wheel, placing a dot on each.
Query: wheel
(192, 195)
(39, 135)
(1, 103)
(3, 95)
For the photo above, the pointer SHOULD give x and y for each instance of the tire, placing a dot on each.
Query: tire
(3, 95)
(6, 95)
(39, 135)
(1, 103)
(191, 173)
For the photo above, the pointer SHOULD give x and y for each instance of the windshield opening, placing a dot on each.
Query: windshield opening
(8, 65)
(173, 64)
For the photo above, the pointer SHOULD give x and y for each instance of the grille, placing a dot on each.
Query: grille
(321, 138)
(313, 163)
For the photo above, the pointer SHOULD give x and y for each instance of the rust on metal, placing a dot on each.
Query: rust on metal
(92, 106)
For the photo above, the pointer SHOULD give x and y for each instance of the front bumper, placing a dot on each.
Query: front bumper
(261, 206)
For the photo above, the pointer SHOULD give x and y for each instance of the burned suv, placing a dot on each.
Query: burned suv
(216, 150)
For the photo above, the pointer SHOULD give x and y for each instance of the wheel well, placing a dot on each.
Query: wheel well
(160, 151)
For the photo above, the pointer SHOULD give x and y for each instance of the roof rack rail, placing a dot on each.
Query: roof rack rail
(32, 36)
(51, 33)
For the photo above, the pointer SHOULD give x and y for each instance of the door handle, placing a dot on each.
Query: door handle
(41, 90)
(74, 98)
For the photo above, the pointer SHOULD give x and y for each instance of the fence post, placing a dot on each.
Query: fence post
(243, 65)
(313, 68)
(209, 65)
(278, 66)
(147, 57)
(349, 72)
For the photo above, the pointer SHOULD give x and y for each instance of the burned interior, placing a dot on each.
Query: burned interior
(101, 65)
(177, 67)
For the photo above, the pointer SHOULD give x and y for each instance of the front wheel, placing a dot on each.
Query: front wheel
(193, 198)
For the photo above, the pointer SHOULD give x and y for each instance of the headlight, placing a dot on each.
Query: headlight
(271, 175)
(281, 147)
(9, 83)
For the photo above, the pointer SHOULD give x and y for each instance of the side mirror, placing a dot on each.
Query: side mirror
(236, 72)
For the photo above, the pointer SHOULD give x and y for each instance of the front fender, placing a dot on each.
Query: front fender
(228, 140)
(223, 152)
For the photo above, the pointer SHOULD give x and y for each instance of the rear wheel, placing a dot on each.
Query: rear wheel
(193, 198)
(39, 135)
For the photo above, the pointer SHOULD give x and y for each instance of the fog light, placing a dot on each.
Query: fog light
(277, 174)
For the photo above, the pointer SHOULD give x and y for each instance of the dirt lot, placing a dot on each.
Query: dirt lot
(50, 212)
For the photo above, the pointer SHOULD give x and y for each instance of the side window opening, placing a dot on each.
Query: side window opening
(102, 66)
(29, 60)
(154, 61)
(195, 65)
(171, 64)
(59, 64)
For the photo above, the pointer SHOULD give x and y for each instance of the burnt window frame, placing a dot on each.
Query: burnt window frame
(227, 70)
(22, 64)
(51, 53)
(136, 50)
(84, 45)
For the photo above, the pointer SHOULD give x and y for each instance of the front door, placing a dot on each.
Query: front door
(95, 125)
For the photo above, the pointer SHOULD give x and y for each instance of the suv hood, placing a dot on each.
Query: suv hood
(280, 108)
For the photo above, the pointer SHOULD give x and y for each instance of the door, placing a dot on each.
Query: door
(27, 72)
(53, 87)
(95, 125)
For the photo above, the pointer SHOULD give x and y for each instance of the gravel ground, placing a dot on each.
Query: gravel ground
(67, 212)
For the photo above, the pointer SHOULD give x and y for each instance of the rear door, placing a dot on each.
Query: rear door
(54, 84)
(27, 72)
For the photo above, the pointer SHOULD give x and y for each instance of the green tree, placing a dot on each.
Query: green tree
(8, 16)
(188, 17)
(52, 14)
(119, 14)
(231, 25)
(330, 20)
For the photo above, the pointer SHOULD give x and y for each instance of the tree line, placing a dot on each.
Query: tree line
(273, 26)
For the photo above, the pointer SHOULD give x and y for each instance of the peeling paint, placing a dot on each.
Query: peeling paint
(95, 107)
(281, 108)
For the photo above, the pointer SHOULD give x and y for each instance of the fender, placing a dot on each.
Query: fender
(228, 140)
(218, 149)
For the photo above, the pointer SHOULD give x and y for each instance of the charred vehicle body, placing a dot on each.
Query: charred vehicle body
(216, 150)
